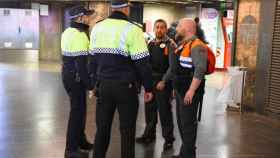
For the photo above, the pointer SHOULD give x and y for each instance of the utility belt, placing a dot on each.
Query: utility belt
(71, 72)
(133, 84)
(114, 82)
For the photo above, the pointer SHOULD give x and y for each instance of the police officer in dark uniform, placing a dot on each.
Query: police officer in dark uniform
(159, 49)
(75, 45)
(118, 57)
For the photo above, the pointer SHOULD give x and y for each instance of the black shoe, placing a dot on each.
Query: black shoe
(145, 140)
(85, 145)
(75, 154)
(175, 156)
(167, 146)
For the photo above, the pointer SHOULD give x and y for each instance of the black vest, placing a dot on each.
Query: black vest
(178, 70)
(158, 57)
(183, 76)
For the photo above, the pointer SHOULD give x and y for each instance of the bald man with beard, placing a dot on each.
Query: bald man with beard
(188, 67)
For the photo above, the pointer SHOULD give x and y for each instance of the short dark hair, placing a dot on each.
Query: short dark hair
(161, 21)
(196, 19)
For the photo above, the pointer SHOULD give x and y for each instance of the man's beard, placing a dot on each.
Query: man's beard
(159, 37)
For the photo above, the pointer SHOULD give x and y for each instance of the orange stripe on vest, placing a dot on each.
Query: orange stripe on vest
(187, 47)
(211, 59)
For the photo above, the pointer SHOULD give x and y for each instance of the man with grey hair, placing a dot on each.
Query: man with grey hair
(188, 66)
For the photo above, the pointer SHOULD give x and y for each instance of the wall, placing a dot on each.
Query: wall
(168, 12)
(51, 28)
(15, 55)
(15, 4)
(247, 45)
(264, 54)
(102, 11)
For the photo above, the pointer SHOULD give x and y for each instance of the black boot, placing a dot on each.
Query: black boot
(75, 154)
(85, 145)
(145, 139)
(167, 145)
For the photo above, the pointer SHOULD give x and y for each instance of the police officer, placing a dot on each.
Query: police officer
(75, 45)
(118, 55)
(189, 67)
(159, 49)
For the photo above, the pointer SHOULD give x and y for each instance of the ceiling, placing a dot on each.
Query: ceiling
(205, 2)
(146, 1)
(185, 1)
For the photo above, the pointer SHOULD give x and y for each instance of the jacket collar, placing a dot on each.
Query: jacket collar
(187, 40)
(163, 40)
(183, 43)
(81, 27)
(118, 15)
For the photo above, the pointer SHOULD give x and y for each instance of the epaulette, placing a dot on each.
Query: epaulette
(135, 23)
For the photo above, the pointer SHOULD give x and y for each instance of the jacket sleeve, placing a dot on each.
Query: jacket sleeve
(92, 62)
(199, 57)
(82, 60)
(169, 73)
(92, 66)
(82, 66)
(139, 54)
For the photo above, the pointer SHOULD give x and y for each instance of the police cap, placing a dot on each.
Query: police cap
(116, 4)
(78, 11)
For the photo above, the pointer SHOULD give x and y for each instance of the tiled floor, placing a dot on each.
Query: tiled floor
(34, 110)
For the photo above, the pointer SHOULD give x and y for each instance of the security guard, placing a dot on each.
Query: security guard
(75, 45)
(119, 55)
(159, 49)
(189, 67)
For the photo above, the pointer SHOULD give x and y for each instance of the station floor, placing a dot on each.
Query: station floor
(34, 111)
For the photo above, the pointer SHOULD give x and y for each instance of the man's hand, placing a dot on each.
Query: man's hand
(148, 96)
(173, 43)
(91, 93)
(160, 85)
(173, 94)
(190, 93)
(189, 97)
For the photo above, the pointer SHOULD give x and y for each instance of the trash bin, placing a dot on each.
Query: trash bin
(232, 91)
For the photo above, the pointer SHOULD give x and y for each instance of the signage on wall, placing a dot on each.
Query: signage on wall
(35, 6)
(8, 44)
(209, 13)
(230, 14)
(210, 25)
(44, 10)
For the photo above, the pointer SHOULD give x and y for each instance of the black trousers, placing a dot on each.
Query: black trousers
(160, 104)
(77, 117)
(187, 123)
(122, 97)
